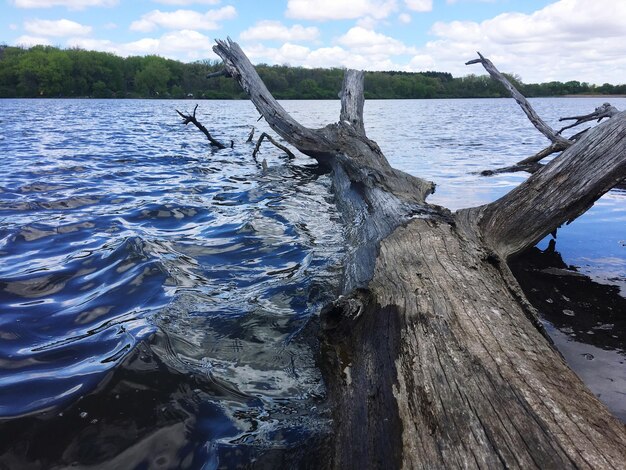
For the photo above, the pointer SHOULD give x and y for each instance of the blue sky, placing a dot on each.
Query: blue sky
(539, 40)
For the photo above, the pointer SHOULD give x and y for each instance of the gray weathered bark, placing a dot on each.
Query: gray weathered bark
(433, 357)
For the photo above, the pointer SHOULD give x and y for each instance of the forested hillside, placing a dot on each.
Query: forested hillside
(44, 71)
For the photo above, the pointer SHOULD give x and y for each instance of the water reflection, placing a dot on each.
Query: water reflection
(584, 318)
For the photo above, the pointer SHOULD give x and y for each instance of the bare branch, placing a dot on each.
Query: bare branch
(276, 144)
(559, 192)
(521, 100)
(530, 164)
(331, 144)
(240, 68)
(554, 148)
(187, 118)
(601, 112)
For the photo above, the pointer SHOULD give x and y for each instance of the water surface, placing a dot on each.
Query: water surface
(153, 291)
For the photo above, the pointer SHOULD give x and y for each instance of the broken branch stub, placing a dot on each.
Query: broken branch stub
(353, 100)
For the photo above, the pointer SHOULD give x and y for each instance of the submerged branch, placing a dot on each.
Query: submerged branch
(250, 135)
(276, 144)
(187, 118)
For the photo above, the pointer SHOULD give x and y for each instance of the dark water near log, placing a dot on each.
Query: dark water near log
(153, 292)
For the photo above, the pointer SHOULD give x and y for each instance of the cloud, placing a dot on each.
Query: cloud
(324, 10)
(71, 4)
(368, 42)
(404, 18)
(184, 45)
(58, 28)
(335, 56)
(29, 41)
(275, 30)
(419, 5)
(183, 19)
(566, 40)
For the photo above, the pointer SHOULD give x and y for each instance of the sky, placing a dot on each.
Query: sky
(537, 40)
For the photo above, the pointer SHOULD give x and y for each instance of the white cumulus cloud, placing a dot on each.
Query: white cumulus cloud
(71, 4)
(366, 41)
(419, 5)
(275, 30)
(183, 19)
(566, 40)
(29, 41)
(58, 28)
(323, 10)
(183, 45)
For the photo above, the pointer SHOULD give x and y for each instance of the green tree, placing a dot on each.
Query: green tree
(152, 79)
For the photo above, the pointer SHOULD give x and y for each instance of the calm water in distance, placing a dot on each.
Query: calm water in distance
(152, 291)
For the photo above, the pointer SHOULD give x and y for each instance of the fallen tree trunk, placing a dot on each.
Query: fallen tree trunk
(433, 357)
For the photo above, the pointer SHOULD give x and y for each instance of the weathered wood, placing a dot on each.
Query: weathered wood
(559, 143)
(601, 112)
(433, 357)
(187, 118)
(554, 148)
(534, 118)
(559, 192)
(276, 144)
(353, 100)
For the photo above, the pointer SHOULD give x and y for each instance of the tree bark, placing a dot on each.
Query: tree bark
(432, 356)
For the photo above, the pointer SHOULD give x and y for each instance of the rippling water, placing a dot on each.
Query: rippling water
(152, 291)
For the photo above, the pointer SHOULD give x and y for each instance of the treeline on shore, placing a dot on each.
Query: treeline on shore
(45, 71)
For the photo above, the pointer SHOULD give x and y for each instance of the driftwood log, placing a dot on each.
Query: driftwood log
(433, 357)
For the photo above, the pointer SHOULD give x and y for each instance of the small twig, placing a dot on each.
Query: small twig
(522, 101)
(280, 146)
(187, 118)
(251, 135)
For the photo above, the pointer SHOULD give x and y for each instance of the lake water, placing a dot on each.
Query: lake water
(153, 291)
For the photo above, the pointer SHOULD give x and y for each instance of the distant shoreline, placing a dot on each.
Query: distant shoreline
(588, 96)
(300, 99)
